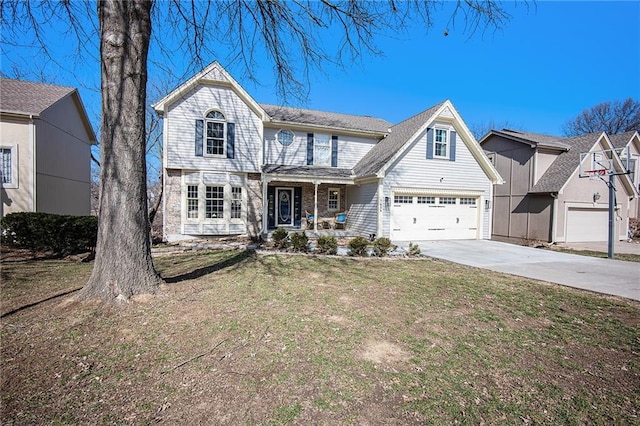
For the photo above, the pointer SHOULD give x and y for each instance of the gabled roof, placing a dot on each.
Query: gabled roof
(566, 163)
(32, 99)
(213, 73)
(532, 139)
(332, 120)
(400, 134)
(29, 98)
(622, 140)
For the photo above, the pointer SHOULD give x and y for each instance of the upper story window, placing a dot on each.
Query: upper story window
(322, 150)
(441, 143)
(215, 133)
(285, 137)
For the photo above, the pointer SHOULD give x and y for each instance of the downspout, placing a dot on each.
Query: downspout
(554, 217)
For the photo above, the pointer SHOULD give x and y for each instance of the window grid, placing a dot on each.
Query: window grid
(426, 200)
(468, 201)
(214, 202)
(215, 138)
(236, 202)
(402, 199)
(192, 202)
(5, 171)
(285, 137)
(322, 150)
(334, 200)
(441, 143)
(447, 200)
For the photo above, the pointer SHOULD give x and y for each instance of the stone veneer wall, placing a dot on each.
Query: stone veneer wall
(254, 205)
(172, 201)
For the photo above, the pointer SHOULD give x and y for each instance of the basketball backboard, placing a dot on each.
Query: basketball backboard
(595, 164)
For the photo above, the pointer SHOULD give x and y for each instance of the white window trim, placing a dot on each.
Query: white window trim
(329, 199)
(447, 143)
(224, 134)
(14, 167)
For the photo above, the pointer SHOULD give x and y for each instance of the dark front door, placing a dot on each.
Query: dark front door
(284, 207)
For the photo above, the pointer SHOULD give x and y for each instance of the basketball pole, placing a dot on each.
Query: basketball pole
(612, 207)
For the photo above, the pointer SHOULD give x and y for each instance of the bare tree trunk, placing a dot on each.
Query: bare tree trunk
(123, 265)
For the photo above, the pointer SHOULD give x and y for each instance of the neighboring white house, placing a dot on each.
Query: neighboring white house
(45, 147)
(233, 166)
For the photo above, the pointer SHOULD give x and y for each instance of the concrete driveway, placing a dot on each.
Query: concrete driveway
(606, 276)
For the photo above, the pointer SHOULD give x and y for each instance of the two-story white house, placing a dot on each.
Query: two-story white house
(233, 166)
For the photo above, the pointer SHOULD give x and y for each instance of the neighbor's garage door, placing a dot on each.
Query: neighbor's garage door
(415, 218)
(587, 225)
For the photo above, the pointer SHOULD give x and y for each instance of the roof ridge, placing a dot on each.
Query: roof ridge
(321, 111)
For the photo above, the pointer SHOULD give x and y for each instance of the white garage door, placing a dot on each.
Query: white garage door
(587, 225)
(417, 217)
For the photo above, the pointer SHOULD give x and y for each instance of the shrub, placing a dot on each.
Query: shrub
(327, 244)
(382, 246)
(414, 249)
(299, 242)
(62, 235)
(358, 246)
(280, 238)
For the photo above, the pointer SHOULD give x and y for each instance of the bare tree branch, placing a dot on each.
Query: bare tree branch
(610, 117)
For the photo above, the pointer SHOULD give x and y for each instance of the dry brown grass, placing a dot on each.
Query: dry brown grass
(234, 338)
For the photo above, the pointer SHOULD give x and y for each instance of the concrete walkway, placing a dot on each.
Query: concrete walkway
(605, 276)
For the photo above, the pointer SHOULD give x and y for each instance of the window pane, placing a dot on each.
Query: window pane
(468, 201)
(447, 200)
(192, 202)
(285, 137)
(402, 199)
(426, 200)
(215, 138)
(214, 202)
(334, 200)
(236, 203)
(322, 147)
(5, 169)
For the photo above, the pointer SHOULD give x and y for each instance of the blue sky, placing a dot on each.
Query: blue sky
(550, 62)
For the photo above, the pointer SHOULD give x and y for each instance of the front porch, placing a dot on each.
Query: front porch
(307, 199)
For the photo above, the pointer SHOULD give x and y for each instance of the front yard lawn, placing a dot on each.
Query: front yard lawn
(235, 338)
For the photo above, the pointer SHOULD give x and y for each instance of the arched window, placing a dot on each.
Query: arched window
(215, 133)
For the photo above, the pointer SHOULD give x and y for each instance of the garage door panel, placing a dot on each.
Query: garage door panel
(414, 221)
(587, 224)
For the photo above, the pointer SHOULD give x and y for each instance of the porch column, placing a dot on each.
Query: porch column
(265, 206)
(315, 206)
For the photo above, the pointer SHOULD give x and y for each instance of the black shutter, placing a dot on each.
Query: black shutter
(231, 140)
(199, 137)
(334, 151)
(309, 149)
(429, 143)
(271, 207)
(297, 206)
(452, 146)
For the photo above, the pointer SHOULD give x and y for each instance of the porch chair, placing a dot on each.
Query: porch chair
(341, 220)
(310, 219)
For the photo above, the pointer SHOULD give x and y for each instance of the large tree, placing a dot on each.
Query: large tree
(287, 34)
(611, 117)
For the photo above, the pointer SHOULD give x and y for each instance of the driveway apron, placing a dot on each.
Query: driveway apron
(614, 277)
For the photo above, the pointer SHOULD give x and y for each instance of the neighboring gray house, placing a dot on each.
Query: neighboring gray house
(543, 197)
(631, 141)
(233, 166)
(45, 145)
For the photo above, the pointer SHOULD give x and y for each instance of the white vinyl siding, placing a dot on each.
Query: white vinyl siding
(363, 208)
(180, 131)
(350, 149)
(413, 170)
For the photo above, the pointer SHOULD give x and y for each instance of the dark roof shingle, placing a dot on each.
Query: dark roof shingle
(327, 119)
(563, 167)
(28, 97)
(400, 134)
